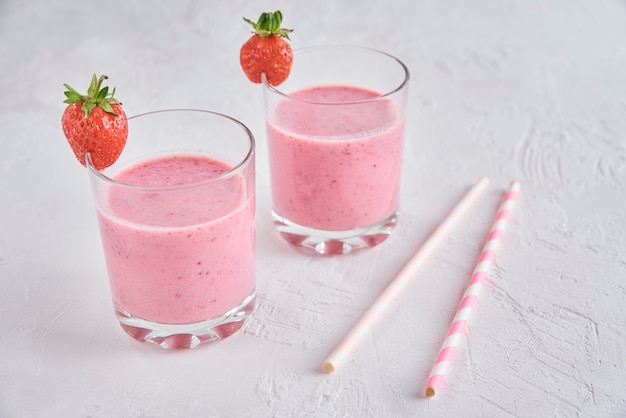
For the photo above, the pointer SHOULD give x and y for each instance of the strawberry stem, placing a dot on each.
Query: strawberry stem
(95, 97)
(268, 24)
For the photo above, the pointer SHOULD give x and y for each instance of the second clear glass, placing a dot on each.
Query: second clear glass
(335, 133)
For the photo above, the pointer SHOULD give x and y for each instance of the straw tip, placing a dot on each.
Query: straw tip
(430, 392)
(328, 368)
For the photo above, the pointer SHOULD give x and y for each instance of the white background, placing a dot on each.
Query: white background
(509, 89)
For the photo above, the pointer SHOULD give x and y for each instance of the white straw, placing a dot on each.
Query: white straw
(380, 305)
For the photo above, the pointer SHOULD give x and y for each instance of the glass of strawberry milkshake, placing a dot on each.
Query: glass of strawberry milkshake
(176, 215)
(335, 133)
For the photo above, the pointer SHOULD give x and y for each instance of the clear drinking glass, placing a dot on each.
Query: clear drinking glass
(176, 215)
(335, 133)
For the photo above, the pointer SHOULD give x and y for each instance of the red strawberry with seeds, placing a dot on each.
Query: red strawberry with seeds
(267, 51)
(95, 123)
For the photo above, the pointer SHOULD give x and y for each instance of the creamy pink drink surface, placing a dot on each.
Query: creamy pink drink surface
(183, 255)
(335, 166)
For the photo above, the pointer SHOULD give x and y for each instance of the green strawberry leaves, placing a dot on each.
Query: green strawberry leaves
(96, 96)
(268, 24)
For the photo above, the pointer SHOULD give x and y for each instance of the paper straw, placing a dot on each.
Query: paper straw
(380, 305)
(485, 261)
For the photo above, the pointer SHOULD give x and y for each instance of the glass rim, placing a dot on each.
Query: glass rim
(287, 96)
(225, 175)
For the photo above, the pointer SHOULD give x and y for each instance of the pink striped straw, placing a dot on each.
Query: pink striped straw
(485, 260)
(380, 305)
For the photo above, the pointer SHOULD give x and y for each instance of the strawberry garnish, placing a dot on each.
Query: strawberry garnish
(267, 51)
(95, 123)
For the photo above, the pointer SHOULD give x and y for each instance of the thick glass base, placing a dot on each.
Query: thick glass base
(186, 335)
(334, 242)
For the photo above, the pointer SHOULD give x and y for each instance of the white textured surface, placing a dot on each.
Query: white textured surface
(510, 89)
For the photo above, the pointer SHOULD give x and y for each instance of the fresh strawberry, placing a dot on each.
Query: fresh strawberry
(267, 51)
(95, 124)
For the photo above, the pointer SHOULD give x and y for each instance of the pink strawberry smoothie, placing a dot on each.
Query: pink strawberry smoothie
(182, 254)
(335, 166)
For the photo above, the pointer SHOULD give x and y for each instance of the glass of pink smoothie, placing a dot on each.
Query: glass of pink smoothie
(335, 132)
(176, 215)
